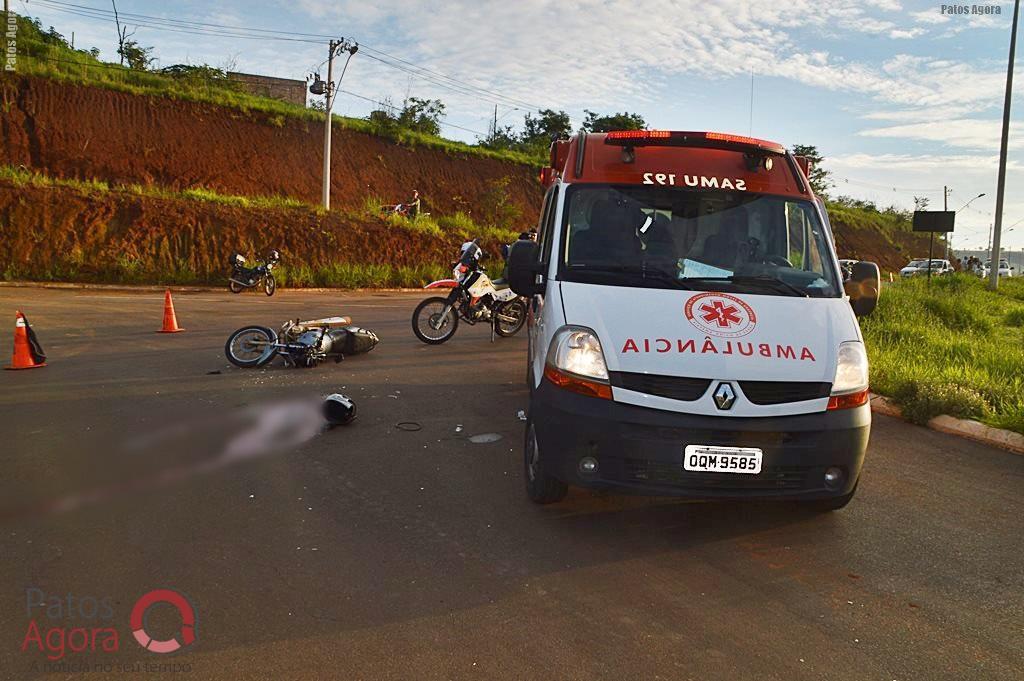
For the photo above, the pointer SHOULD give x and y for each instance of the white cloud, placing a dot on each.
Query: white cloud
(930, 16)
(613, 53)
(963, 133)
(906, 34)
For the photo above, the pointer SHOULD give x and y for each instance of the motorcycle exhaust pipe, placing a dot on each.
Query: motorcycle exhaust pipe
(242, 283)
(339, 410)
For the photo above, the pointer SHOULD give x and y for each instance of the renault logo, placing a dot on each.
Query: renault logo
(724, 396)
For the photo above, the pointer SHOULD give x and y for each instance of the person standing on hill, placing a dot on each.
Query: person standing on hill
(413, 206)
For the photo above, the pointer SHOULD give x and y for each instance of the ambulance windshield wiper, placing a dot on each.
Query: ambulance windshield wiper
(642, 271)
(758, 280)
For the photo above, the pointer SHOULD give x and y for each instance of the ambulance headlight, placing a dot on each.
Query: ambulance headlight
(576, 350)
(851, 370)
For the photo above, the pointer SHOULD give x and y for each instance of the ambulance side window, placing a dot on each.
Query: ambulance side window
(545, 235)
(804, 240)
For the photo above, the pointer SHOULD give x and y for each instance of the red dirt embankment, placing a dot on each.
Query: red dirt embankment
(862, 243)
(74, 235)
(80, 132)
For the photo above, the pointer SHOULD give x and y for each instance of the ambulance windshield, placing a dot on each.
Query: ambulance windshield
(662, 237)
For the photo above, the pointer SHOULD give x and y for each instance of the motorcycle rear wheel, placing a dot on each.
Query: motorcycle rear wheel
(251, 346)
(514, 309)
(235, 287)
(430, 311)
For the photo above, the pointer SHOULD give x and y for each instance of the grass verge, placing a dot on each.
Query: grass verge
(955, 348)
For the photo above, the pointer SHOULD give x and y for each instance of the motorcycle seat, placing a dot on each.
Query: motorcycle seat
(499, 284)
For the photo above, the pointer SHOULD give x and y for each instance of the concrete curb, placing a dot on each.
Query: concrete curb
(184, 289)
(966, 428)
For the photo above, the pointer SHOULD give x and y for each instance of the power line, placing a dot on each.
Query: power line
(251, 33)
(888, 187)
(394, 108)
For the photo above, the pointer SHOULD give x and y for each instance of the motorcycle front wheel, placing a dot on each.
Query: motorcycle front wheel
(235, 287)
(428, 323)
(251, 346)
(270, 285)
(510, 318)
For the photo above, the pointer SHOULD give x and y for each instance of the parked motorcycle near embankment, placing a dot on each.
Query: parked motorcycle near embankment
(243, 277)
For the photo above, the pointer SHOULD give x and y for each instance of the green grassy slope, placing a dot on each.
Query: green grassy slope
(952, 348)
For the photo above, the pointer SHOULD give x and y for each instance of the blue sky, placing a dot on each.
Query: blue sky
(899, 97)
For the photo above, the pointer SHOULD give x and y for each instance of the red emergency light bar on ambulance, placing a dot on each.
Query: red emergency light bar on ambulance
(691, 329)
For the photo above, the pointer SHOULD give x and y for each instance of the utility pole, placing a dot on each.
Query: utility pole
(993, 280)
(328, 101)
(329, 95)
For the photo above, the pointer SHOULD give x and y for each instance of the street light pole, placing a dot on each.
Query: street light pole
(328, 101)
(993, 280)
(329, 94)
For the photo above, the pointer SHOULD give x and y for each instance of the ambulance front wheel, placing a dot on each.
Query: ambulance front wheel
(541, 487)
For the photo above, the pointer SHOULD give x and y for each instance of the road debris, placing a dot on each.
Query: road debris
(484, 438)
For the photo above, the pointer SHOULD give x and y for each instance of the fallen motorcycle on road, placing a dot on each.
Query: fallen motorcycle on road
(300, 343)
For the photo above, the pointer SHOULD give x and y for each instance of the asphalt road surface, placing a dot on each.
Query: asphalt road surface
(138, 461)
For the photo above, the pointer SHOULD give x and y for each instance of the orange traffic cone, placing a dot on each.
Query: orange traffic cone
(28, 354)
(170, 321)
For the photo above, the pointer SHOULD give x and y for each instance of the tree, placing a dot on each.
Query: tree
(921, 203)
(820, 178)
(620, 121)
(138, 57)
(546, 126)
(501, 138)
(422, 115)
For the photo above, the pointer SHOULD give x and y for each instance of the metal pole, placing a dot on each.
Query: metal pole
(931, 241)
(945, 207)
(327, 126)
(993, 276)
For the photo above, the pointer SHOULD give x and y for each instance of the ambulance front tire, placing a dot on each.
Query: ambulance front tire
(541, 487)
(832, 503)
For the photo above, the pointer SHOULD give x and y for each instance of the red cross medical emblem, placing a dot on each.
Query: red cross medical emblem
(720, 314)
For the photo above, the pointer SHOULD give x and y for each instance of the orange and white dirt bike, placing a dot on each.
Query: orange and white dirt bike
(474, 298)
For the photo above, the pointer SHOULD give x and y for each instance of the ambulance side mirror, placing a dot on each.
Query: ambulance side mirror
(524, 268)
(863, 287)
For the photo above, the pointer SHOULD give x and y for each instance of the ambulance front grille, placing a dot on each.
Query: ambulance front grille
(783, 392)
(672, 387)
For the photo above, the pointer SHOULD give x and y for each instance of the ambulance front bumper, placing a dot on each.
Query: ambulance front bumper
(641, 450)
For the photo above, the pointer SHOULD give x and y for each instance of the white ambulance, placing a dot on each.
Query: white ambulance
(690, 330)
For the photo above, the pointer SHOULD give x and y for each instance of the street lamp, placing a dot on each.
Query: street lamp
(329, 91)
